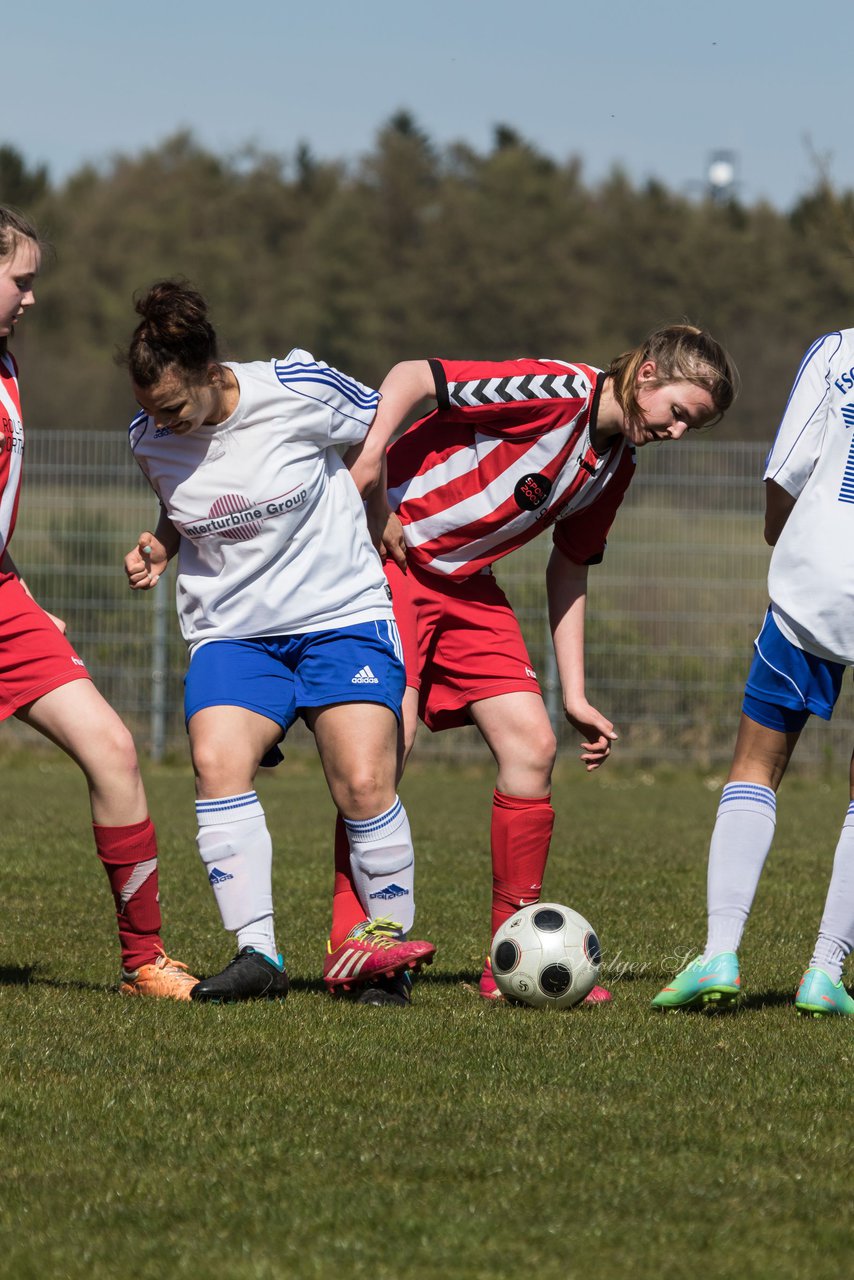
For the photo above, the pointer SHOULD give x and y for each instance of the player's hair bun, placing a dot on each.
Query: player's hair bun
(171, 307)
(174, 331)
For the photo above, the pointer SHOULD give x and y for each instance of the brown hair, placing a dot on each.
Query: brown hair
(682, 353)
(174, 332)
(14, 227)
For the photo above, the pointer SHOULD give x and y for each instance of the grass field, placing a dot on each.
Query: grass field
(454, 1139)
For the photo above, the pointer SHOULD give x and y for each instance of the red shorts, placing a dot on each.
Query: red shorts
(461, 643)
(35, 656)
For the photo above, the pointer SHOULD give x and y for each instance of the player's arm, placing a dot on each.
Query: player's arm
(384, 527)
(403, 390)
(778, 507)
(152, 553)
(566, 584)
(407, 387)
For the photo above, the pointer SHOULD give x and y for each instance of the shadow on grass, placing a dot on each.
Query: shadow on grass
(27, 976)
(767, 1000)
(19, 976)
(754, 1003)
(425, 978)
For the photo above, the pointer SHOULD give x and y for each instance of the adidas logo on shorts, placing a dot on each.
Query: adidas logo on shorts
(365, 676)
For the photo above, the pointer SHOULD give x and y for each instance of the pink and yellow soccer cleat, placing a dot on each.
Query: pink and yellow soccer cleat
(487, 988)
(164, 979)
(371, 950)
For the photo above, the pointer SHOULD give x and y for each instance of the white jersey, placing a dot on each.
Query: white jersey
(274, 539)
(811, 578)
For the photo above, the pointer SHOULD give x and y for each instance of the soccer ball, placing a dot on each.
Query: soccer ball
(547, 955)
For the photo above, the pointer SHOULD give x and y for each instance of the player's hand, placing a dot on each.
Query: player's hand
(145, 563)
(393, 544)
(597, 732)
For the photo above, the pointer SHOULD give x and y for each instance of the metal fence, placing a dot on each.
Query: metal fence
(672, 610)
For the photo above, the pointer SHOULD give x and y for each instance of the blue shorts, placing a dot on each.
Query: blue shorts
(786, 685)
(281, 676)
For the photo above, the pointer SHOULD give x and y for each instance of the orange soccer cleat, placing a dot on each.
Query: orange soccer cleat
(164, 978)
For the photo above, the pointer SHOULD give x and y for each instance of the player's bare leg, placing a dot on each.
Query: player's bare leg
(408, 728)
(517, 730)
(79, 720)
(358, 747)
(761, 755)
(82, 723)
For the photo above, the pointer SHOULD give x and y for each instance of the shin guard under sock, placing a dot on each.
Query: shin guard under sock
(383, 864)
(129, 857)
(521, 836)
(237, 851)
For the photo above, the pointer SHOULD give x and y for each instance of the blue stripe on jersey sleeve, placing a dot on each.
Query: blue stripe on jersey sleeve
(317, 368)
(137, 428)
(320, 382)
(350, 391)
(816, 346)
(811, 354)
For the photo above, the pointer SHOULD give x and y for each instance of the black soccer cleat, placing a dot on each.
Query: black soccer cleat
(396, 989)
(249, 976)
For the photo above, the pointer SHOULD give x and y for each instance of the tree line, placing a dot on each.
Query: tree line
(416, 250)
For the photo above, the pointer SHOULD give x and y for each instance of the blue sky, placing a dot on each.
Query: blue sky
(655, 87)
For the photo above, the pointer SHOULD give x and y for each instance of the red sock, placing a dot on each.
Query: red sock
(347, 910)
(521, 835)
(129, 855)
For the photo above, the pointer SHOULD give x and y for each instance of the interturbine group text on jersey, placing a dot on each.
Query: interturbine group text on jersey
(265, 510)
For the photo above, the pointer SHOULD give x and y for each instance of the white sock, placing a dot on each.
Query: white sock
(237, 851)
(744, 830)
(836, 931)
(383, 863)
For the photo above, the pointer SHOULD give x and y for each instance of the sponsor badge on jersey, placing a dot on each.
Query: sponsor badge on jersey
(532, 491)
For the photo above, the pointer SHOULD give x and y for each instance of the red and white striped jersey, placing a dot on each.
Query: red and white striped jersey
(506, 454)
(11, 448)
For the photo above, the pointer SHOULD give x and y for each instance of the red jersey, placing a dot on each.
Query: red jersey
(506, 454)
(11, 448)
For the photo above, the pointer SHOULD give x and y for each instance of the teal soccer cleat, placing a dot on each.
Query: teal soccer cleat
(818, 996)
(714, 982)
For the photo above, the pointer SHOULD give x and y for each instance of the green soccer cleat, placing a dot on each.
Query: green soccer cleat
(818, 996)
(712, 982)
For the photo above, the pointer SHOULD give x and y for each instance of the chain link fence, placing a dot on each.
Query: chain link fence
(672, 611)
